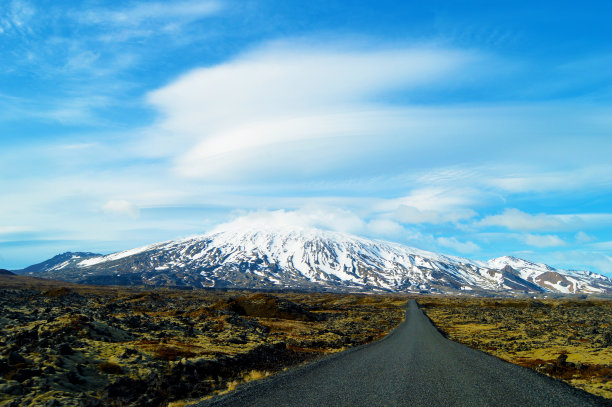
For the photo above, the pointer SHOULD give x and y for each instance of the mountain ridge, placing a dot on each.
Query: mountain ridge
(271, 257)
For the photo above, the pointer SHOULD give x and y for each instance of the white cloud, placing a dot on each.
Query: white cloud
(386, 228)
(306, 109)
(584, 259)
(145, 20)
(504, 179)
(83, 60)
(120, 207)
(320, 217)
(433, 205)
(9, 230)
(70, 110)
(462, 247)
(147, 11)
(516, 180)
(515, 219)
(412, 215)
(17, 17)
(543, 240)
(440, 199)
(602, 245)
(298, 77)
(313, 217)
(78, 146)
(298, 109)
(582, 237)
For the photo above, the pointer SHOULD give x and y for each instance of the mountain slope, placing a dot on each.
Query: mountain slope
(311, 259)
(58, 262)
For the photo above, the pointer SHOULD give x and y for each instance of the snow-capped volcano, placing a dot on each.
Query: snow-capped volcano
(268, 256)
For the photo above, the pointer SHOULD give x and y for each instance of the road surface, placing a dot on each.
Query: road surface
(413, 366)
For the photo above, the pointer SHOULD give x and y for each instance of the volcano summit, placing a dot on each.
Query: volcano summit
(269, 257)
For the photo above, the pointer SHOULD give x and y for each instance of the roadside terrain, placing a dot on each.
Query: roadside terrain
(568, 339)
(71, 345)
(414, 366)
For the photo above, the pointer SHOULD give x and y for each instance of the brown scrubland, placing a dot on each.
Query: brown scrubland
(569, 339)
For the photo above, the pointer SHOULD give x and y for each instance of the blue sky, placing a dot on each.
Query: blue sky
(473, 129)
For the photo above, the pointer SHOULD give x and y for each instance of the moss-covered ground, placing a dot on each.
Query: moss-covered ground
(70, 345)
(569, 339)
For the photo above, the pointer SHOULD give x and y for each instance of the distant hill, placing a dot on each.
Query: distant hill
(57, 262)
(4, 272)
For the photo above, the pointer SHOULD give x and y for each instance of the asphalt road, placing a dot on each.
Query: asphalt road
(413, 366)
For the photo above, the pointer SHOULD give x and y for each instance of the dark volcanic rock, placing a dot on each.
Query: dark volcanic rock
(267, 306)
(97, 346)
(562, 360)
(15, 358)
(126, 389)
(65, 349)
(607, 339)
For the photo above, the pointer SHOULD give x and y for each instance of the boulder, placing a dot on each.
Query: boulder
(15, 358)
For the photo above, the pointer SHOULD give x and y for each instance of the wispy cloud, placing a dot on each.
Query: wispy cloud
(602, 246)
(120, 207)
(321, 217)
(81, 60)
(515, 219)
(147, 12)
(582, 237)
(386, 228)
(67, 67)
(16, 16)
(147, 19)
(433, 205)
(291, 102)
(317, 217)
(79, 109)
(11, 230)
(462, 247)
(583, 259)
(526, 180)
(294, 110)
(544, 240)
